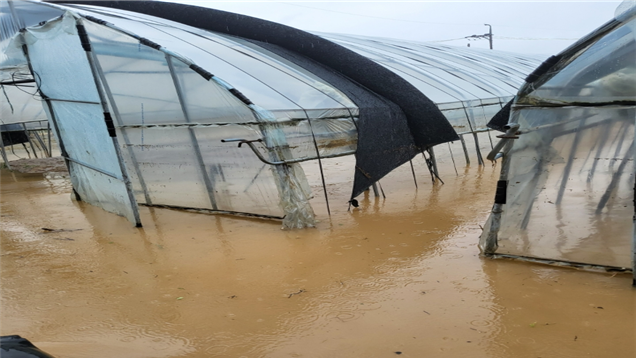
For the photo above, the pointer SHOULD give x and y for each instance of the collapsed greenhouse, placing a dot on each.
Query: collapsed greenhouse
(164, 104)
(566, 191)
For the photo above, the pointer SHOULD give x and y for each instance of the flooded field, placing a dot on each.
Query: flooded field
(399, 275)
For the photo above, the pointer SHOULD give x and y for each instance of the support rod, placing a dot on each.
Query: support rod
(413, 172)
(195, 142)
(488, 243)
(480, 159)
(322, 174)
(26, 132)
(123, 131)
(463, 142)
(4, 154)
(126, 180)
(84, 164)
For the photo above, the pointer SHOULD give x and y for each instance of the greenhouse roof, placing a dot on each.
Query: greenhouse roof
(384, 100)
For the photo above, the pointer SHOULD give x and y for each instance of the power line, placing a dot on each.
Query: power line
(416, 21)
(511, 38)
(447, 40)
(537, 38)
(377, 17)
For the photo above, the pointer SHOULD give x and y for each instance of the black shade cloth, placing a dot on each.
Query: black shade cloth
(500, 119)
(384, 138)
(13, 134)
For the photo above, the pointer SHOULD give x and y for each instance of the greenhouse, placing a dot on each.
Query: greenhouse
(163, 104)
(566, 192)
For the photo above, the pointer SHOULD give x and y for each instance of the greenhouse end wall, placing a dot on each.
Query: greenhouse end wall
(570, 186)
(566, 191)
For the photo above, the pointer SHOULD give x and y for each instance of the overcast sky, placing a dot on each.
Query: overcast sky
(532, 27)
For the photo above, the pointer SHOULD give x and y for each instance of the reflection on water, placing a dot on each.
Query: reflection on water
(395, 275)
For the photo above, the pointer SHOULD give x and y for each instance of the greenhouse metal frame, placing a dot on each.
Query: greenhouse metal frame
(141, 118)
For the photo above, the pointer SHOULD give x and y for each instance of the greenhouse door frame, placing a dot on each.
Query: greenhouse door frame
(122, 197)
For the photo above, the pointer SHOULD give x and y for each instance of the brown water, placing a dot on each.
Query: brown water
(401, 274)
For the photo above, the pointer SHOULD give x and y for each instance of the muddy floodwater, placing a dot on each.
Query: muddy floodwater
(396, 276)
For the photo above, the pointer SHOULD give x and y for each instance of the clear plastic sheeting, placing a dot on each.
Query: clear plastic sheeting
(207, 102)
(293, 189)
(174, 137)
(450, 76)
(566, 191)
(333, 133)
(27, 15)
(468, 85)
(571, 186)
(604, 73)
(469, 116)
(64, 76)
(263, 81)
(15, 15)
(138, 78)
(20, 104)
(210, 121)
(273, 81)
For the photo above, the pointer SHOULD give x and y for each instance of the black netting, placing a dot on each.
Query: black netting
(384, 139)
(500, 119)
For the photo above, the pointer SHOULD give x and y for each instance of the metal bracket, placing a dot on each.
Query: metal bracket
(256, 151)
(262, 158)
(241, 141)
(511, 133)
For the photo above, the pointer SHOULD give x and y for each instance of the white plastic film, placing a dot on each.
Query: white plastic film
(138, 78)
(293, 188)
(570, 186)
(64, 75)
(173, 134)
(20, 105)
(207, 102)
(604, 73)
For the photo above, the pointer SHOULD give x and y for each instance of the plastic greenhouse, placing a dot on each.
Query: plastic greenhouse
(164, 104)
(566, 192)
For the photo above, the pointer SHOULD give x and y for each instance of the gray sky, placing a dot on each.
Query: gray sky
(532, 27)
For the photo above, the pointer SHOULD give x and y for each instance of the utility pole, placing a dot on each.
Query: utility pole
(484, 36)
(489, 34)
